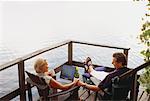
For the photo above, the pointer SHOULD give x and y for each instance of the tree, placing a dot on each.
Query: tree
(145, 39)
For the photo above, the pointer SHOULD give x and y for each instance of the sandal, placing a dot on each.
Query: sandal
(88, 59)
(86, 63)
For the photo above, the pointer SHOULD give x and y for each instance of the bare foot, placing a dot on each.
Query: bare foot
(90, 68)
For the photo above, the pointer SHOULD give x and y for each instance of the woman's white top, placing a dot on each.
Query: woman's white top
(46, 77)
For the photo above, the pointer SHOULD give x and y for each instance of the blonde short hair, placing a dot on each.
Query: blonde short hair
(38, 64)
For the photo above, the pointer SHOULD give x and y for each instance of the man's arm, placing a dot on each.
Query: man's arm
(88, 86)
(92, 87)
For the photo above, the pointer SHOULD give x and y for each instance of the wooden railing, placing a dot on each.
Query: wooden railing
(21, 64)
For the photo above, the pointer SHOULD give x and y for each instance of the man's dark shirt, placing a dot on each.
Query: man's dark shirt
(107, 82)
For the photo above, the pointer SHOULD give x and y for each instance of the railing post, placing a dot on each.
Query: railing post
(125, 51)
(70, 48)
(21, 75)
(133, 94)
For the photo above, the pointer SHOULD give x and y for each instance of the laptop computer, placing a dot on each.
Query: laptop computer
(67, 74)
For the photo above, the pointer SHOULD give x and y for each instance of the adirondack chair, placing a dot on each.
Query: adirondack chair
(120, 89)
(44, 90)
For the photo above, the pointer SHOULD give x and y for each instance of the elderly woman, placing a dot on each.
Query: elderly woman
(41, 68)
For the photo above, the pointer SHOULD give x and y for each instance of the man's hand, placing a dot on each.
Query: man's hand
(80, 83)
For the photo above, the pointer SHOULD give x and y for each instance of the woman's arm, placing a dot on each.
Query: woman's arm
(57, 85)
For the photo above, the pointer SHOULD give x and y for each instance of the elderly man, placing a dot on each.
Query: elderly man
(119, 61)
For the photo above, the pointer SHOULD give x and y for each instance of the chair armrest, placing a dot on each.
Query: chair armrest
(64, 92)
(120, 86)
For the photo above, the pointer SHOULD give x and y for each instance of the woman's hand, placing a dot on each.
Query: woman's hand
(50, 73)
(75, 80)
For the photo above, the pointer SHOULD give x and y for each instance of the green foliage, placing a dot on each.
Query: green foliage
(145, 39)
(145, 79)
(146, 54)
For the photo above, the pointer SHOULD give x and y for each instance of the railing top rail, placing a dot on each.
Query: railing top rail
(134, 70)
(28, 56)
(94, 44)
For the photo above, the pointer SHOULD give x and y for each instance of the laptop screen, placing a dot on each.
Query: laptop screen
(67, 72)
